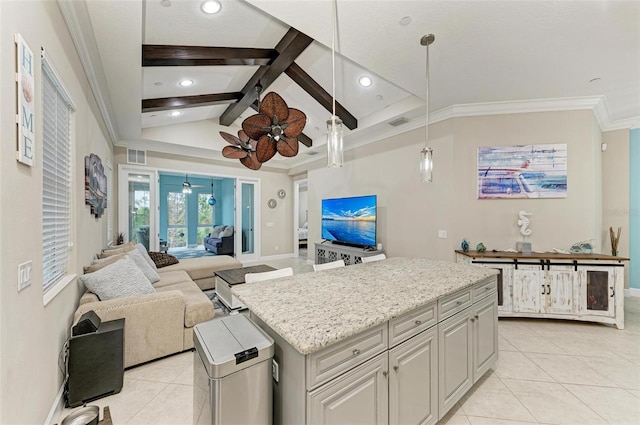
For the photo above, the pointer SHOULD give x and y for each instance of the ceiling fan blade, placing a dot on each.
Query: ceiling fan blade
(274, 105)
(254, 125)
(233, 152)
(250, 161)
(297, 120)
(230, 138)
(265, 149)
(288, 146)
(243, 136)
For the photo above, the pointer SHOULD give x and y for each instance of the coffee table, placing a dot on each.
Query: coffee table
(226, 279)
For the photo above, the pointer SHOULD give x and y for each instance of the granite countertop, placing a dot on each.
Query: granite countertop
(314, 310)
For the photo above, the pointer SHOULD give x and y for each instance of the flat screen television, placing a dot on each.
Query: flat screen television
(350, 221)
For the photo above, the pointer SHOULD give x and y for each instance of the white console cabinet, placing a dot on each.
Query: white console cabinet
(588, 287)
(328, 252)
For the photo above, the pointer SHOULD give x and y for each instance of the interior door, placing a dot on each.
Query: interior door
(247, 213)
(137, 218)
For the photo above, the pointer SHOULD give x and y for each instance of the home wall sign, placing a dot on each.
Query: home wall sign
(26, 93)
(531, 171)
(95, 185)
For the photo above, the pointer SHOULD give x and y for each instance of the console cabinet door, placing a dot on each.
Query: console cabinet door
(357, 397)
(597, 290)
(561, 290)
(455, 358)
(485, 335)
(413, 380)
(529, 289)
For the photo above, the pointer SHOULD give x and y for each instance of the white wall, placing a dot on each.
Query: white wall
(32, 334)
(280, 235)
(410, 213)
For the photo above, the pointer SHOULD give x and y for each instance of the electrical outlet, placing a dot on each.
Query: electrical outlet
(275, 370)
(24, 275)
(442, 234)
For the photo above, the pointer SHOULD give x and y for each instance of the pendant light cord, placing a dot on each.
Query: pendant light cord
(426, 115)
(333, 61)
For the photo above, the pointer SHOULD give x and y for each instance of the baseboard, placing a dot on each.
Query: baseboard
(632, 292)
(56, 409)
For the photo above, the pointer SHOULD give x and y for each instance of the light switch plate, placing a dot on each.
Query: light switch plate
(442, 234)
(24, 275)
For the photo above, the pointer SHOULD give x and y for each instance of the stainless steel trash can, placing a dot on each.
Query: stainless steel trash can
(232, 373)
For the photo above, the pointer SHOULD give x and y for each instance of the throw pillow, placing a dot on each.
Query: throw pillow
(162, 259)
(115, 251)
(227, 232)
(145, 254)
(149, 271)
(127, 245)
(101, 262)
(216, 231)
(118, 280)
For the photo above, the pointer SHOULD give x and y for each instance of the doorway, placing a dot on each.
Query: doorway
(300, 219)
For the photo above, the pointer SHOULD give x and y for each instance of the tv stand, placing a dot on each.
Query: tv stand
(328, 252)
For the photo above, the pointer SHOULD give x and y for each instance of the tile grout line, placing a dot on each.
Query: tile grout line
(518, 398)
(583, 403)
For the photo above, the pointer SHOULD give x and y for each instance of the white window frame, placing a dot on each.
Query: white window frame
(110, 213)
(56, 276)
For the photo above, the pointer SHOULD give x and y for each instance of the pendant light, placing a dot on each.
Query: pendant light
(212, 199)
(426, 155)
(334, 125)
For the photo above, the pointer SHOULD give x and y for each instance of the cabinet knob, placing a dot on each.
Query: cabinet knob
(418, 322)
(396, 368)
(473, 319)
(458, 302)
(476, 316)
(356, 351)
(385, 373)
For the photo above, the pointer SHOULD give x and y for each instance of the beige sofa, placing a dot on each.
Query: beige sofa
(160, 324)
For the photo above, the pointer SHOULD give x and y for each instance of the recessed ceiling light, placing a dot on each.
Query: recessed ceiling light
(365, 81)
(405, 21)
(186, 83)
(175, 113)
(157, 83)
(211, 6)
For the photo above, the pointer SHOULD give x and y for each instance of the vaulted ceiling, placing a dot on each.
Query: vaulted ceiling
(488, 57)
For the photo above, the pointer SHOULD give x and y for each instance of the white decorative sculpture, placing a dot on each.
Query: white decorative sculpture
(523, 222)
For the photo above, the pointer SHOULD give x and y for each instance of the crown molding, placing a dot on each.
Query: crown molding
(76, 18)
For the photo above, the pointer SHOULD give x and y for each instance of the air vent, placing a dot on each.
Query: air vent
(311, 153)
(136, 157)
(398, 121)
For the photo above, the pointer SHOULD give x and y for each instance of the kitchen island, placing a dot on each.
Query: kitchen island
(394, 341)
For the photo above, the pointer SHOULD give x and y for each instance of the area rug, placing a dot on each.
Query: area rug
(181, 254)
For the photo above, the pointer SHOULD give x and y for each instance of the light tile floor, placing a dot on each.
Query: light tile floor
(549, 372)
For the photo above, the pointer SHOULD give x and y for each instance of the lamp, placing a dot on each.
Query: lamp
(334, 125)
(186, 186)
(212, 199)
(426, 155)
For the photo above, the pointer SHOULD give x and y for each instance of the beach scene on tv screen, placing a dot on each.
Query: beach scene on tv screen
(350, 220)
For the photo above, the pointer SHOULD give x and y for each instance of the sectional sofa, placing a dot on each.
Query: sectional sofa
(159, 321)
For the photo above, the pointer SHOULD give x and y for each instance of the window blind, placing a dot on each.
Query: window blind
(109, 203)
(56, 180)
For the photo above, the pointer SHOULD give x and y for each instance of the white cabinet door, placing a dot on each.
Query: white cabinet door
(528, 289)
(413, 380)
(455, 359)
(357, 397)
(561, 290)
(505, 286)
(485, 335)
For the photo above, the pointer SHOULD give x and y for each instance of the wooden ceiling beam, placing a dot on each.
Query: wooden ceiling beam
(165, 103)
(308, 84)
(167, 55)
(289, 48)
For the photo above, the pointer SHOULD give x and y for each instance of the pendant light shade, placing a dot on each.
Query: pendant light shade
(334, 142)
(426, 154)
(212, 199)
(426, 164)
(334, 124)
(186, 186)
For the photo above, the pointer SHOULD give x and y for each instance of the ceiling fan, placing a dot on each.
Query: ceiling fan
(186, 186)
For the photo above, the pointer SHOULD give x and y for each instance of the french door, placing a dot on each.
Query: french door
(137, 216)
(247, 236)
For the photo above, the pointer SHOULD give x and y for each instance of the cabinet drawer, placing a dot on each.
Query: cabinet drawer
(451, 304)
(340, 357)
(483, 289)
(412, 323)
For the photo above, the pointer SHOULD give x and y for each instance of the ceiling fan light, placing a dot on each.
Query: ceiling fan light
(211, 6)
